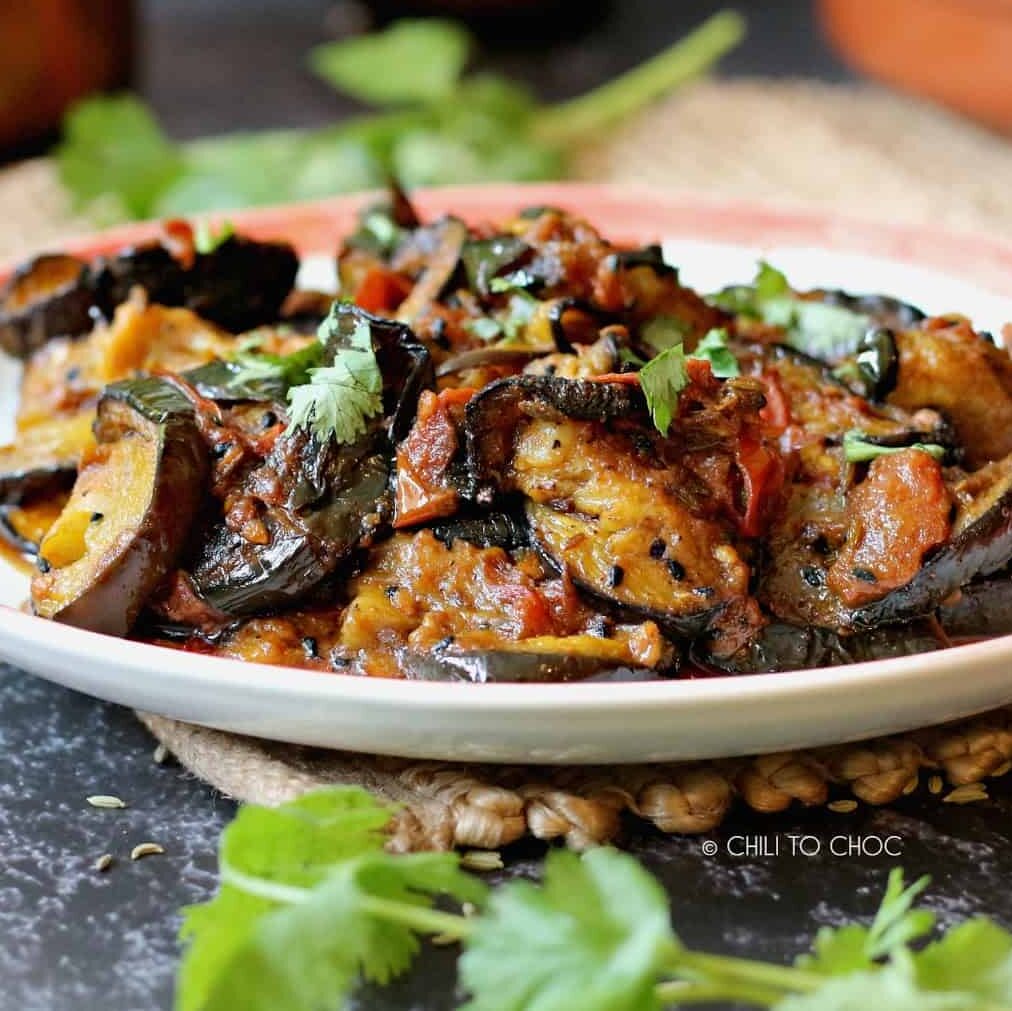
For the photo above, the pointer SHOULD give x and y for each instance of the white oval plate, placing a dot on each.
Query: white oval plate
(715, 243)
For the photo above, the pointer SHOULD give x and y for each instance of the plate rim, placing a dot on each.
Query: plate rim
(984, 260)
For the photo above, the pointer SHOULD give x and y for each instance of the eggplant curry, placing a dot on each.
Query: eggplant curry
(511, 452)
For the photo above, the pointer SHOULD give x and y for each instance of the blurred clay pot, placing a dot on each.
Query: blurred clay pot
(54, 51)
(958, 52)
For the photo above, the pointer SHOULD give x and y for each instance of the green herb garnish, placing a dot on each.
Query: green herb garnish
(662, 379)
(437, 126)
(857, 448)
(340, 397)
(713, 349)
(310, 904)
(207, 238)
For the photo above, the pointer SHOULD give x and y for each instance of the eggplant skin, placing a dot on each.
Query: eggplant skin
(780, 647)
(130, 513)
(46, 297)
(242, 283)
(491, 530)
(338, 497)
(489, 666)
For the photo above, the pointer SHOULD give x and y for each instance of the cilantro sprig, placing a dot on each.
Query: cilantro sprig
(334, 385)
(858, 449)
(310, 903)
(436, 125)
(828, 332)
(663, 378)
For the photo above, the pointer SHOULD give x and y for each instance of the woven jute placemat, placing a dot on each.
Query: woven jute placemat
(857, 150)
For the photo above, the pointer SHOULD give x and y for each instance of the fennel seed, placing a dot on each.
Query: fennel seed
(161, 753)
(911, 786)
(145, 849)
(843, 806)
(105, 800)
(104, 862)
(1002, 769)
(482, 860)
(936, 784)
(967, 794)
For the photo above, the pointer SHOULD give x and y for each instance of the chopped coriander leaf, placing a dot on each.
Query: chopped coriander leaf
(662, 380)
(413, 61)
(207, 238)
(595, 936)
(770, 282)
(627, 357)
(857, 448)
(828, 332)
(484, 259)
(713, 349)
(287, 370)
(663, 332)
(484, 328)
(339, 398)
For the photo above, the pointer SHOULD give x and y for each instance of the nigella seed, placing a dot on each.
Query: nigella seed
(556, 444)
(221, 449)
(42, 564)
(391, 590)
(704, 591)
(616, 576)
(97, 517)
(657, 548)
(310, 648)
(444, 643)
(268, 420)
(865, 575)
(676, 569)
(812, 575)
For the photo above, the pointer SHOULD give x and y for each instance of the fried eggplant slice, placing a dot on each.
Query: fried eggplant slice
(642, 522)
(44, 458)
(45, 297)
(130, 512)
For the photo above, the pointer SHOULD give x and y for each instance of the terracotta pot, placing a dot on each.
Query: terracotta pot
(958, 52)
(54, 51)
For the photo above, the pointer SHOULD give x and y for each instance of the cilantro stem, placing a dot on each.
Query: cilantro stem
(690, 57)
(765, 974)
(263, 888)
(420, 918)
(677, 992)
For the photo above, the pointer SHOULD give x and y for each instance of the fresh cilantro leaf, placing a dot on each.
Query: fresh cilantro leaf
(662, 379)
(295, 922)
(284, 370)
(627, 357)
(414, 60)
(827, 332)
(484, 259)
(853, 947)
(339, 398)
(593, 937)
(857, 449)
(893, 988)
(663, 332)
(207, 238)
(484, 328)
(975, 957)
(295, 843)
(713, 349)
(113, 147)
(770, 282)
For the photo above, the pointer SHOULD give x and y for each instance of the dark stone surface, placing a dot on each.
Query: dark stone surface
(72, 939)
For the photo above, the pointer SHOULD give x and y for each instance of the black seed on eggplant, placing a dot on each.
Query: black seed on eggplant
(657, 548)
(675, 569)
